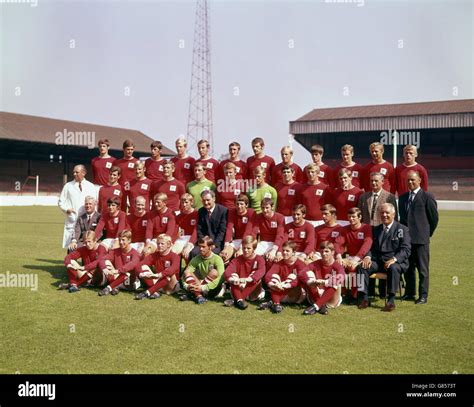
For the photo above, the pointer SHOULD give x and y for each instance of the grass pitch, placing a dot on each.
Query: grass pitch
(51, 331)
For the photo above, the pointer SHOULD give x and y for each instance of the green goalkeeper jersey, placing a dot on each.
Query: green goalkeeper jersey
(256, 196)
(201, 267)
(196, 187)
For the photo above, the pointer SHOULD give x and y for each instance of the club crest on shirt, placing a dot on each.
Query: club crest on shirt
(187, 166)
(145, 187)
(303, 235)
(383, 171)
(360, 235)
(291, 192)
(117, 192)
(160, 168)
(209, 165)
(108, 164)
(167, 263)
(131, 165)
(237, 170)
(255, 265)
(236, 192)
(319, 192)
(355, 174)
(164, 219)
(334, 234)
(144, 222)
(263, 165)
(273, 225)
(193, 222)
(116, 220)
(351, 198)
(321, 174)
(173, 188)
(245, 219)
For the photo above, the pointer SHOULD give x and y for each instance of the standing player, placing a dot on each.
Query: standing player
(270, 226)
(231, 188)
(127, 164)
(187, 223)
(302, 233)
(240, 223)
(378, 164)
(329, 231)
(160, 220)
(170, 186)
(200, 184)
(114, 221)
(183, 163)
(140, 186)
(410, 153)
(313, 195)
(234, 158)
(244, 275)
(137, 222)
(286, 161)
(322, 281)
(154, 164)
(355, 241)
(260, 190)
(288, 193)
(119, 264)
(204, 275)
(111, 190)
(282, 280)
(102, 164)
(325, 172)
(347, 195)
(210, 164)
(259, 159)
(78, 274)
(166, 270)
(347, 154)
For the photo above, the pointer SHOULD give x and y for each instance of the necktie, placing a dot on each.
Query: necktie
(80, 186)
(88, 220)
(374, 203)
(410, 200)
(385, 233)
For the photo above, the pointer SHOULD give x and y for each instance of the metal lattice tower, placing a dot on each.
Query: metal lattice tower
(200, 95)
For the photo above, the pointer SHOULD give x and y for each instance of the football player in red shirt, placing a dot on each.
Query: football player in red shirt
(127, 164)
(346, 196)
(79, 275)
(322, 281)
(137, 222)
(240, 223)
(102, 164)
(119, 264)
(210, 164)
(325, 172)
(111, 190)
(234, 158)
(286, 160)
(170, 186)
(229, 189)
(270, 226)
(114, 222)
(302, 233)
(160, 220)
(166, 265)
(313, 195)
(347, 154)
(288, 193)
(259, 159)
(329, 231)
(140, 186)
(355, 241)
(378, 164)
(410, 153)
(244, 275)
(183, 163)
(282, 280)
(187, 223)
(154, 164)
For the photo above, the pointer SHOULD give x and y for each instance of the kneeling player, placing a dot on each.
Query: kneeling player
(322, 281)
(89, 254)
(204, 275)
(166, 265)
(119, 264)
(244, 274)
(282, 280)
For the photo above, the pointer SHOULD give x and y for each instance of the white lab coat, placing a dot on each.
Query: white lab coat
(73, 198)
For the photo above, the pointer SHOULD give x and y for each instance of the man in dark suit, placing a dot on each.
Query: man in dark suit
(389, 254)
(212, 222)
(370, 202)
(87, 221)
(418, 211)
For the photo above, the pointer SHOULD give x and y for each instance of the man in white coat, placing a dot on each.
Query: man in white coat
(72, 198)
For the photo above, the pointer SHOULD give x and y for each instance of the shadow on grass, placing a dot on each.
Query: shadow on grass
(58, 272)
(51, 261)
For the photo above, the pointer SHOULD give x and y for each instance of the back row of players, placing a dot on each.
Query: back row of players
(163, 198)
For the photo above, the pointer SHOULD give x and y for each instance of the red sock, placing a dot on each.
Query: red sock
(118, 281)
(87, 277)
(278, 296)
(327, 295)
(71, 274)
(241, 294)
(160, 284)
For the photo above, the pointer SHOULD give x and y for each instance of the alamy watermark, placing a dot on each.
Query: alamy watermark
(241, 186)
(75, 138)
(37, 390)
(360, 3)
(32, 3)
(403, 138)
(13, 280)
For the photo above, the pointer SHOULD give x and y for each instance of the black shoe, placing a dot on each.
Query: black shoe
(311, 310)
(276, 308)
(422, 300)
(154, 296)
(104, 291)
(141, 296)
(323, 310)
(241, 304)
(408, 297)
(363, 304)
(184, 297)
(265, 305)
(115, 291)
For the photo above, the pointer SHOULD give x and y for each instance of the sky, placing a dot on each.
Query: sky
(123, 64)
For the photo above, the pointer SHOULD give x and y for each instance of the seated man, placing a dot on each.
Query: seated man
(389, 254)
(89, 253)
(355, 241)
(270, 226)
(244, 275)
(137, 223)
(240, 223)
(204, 275)
(114, 221)
(302, 233)
(118, 265)
(166, 265)
(282, 280)
(323, 281)
(85, 222)
(187, 224)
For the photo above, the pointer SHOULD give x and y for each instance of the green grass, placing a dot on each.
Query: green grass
(50, 331)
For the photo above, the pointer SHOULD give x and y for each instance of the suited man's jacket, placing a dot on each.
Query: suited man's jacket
(365, 206)
(82, 226)
(215, 226)
(397, 244)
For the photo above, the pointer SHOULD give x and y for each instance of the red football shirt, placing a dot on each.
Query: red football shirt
(137, 224)
(128, 170)
(212, 167)
(184, 169)
(173, 190)
(105, 193)
(266, 162)
(313, 197)
(288, 196)
(277, 176)
(100, 169)
(154, 169)
(139, 188)
(401, 176)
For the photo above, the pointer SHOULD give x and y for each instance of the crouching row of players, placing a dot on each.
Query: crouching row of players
(289, 280)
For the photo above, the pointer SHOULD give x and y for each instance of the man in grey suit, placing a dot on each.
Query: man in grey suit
(87, 221)
(370, 202)
(389, 254)
(418, 211)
